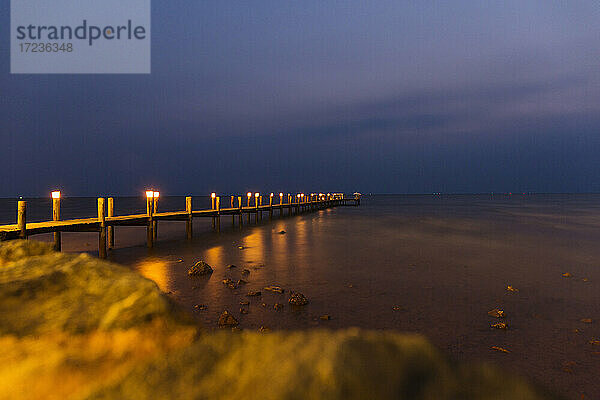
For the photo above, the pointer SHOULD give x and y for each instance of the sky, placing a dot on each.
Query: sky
(386, 97)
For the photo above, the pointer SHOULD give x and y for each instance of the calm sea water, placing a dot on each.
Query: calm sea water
(428, 264)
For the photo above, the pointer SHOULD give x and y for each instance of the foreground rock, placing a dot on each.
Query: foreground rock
(199, 269)
(74, 327)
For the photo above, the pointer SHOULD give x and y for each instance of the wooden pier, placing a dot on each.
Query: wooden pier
(106, 220)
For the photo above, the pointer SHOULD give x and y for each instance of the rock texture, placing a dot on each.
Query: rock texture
(74, 327)
(199, 269)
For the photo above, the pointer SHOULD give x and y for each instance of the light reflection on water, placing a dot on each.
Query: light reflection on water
(156, 270)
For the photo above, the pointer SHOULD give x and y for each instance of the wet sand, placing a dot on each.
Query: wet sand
(434, 266)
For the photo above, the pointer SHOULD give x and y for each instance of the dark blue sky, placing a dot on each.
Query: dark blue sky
(393, 97)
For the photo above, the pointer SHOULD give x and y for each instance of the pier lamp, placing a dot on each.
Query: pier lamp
(280, 198)
(156, 195)
(249, 196)
(56, 194)
(213, 195)
(271, 194)
(149, 194)
(256, 195)
(302, 196)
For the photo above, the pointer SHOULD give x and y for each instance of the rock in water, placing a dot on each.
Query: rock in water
(200, 268)
(274, 289)
(496, 313)
(298, 299)
(227, 320)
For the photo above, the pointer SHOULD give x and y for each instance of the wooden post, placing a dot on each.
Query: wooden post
(189, 223)
(155, 223)
(102, 235)
(110, 230)
(232, 215)
(218, 207)
(149, 234)
(271, 206)
(240, 210)
(21, 219)
(56, 217)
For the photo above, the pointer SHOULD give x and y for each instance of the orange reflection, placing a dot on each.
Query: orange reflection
(254, 244)
(215, 256)
(155, 270)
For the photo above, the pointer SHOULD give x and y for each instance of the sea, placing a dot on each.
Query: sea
(432, 264)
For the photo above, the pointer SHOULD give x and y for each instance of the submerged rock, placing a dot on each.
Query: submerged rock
(496, 313)
(227, 320)
(298, 299)
(282, 232)
(230, 284)
(200, 268)
(274, 289)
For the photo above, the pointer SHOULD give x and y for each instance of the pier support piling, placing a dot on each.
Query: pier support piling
(56, 217)
(102, 233)
(21, 219)
(189, 224)
(149, 234)
(110, 230)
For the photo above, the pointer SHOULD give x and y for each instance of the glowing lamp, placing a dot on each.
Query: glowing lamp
(213, 195)
(271, 194)
(249, 194)
(280, 194)
(149, 194)
(156, 195)
(56, 194)
(256, 195)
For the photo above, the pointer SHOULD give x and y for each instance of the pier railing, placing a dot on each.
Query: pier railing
(106, 220)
